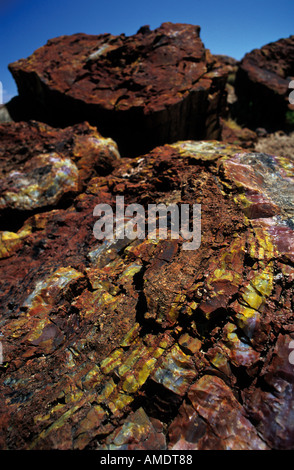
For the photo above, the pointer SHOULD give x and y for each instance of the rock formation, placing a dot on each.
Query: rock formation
(262, 86)
(139, 343)
(119, 345)
(145, 90)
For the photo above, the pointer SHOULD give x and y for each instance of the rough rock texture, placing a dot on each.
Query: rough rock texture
(145, 90)
(140, 344)
(276, 143)
(262, 86)
(42, 167)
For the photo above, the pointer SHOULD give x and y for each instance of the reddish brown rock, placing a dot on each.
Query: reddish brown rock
(262, 86)
(42, 167)
(205, 425)
(135, 344)
(145, 90)
(88, 150)
(270, 406)
(137, 433)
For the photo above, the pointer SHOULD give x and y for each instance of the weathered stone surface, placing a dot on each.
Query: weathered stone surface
(145, 90)
(88, 150)
(215, 420)
(271, 405)
(42, 167)
(135, 344)
(43, 181)
(262, 86)
(137, 433)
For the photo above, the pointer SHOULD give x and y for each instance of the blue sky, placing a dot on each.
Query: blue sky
(227, 27)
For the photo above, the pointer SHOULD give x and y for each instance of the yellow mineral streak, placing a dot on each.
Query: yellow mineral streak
(226, 270)
(131, 335)
(263, 282)
(251, 297)
(11, 241)
(131, 360)
(112, 361)
(260, 244)
(120, 402)
(247, 317)
(203, 150)
(176, 306)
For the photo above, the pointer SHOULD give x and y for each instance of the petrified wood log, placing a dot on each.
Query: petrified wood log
(139, 344)
(145, 90)
(262, 86)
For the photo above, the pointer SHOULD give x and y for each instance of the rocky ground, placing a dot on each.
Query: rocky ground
(276, 143)
(141, 343)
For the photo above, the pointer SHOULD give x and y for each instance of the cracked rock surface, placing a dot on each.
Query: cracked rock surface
(145, 90)
(140, 344)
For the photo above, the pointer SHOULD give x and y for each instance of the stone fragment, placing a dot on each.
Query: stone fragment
(271, 408)
(138, 433)
(189, 344)
(175, 371)
(204, 425)
(27, 146)
(238, 351)
(43, 181)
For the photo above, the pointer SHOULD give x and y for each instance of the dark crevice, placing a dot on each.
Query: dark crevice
(158, 402)
(147, 325)
(243, 379)
(141, 307)
(248, 260)
(12, 220)
(265, 386)
(219, 318)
